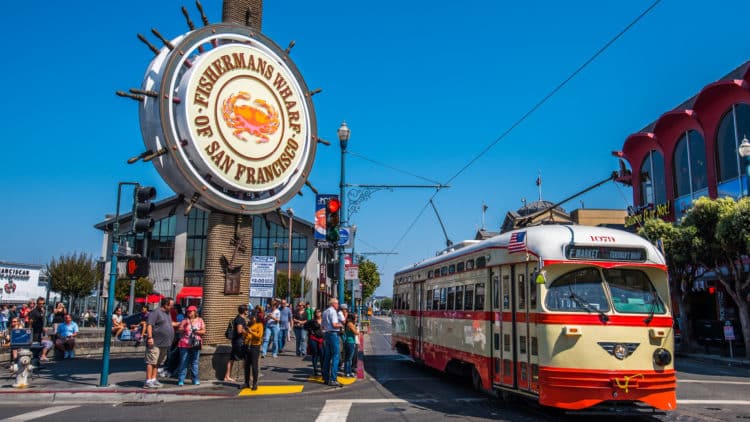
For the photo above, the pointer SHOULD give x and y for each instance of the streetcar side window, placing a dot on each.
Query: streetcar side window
(452, 269)
(443, 298)
(521, 292)
(469, 265)
(481, 262)
(578, 291)
(429, 300)
(479, 301)
(632, 292)
(451, 298)
(435, 299)
(460, 267)
(459, 298)
(444, 270)
(429, 274)
(496, 291)
(469, 298)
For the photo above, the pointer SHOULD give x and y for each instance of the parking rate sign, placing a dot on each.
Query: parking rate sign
(262, 276)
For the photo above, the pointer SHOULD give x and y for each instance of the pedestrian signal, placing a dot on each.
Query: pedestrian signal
(137, 267)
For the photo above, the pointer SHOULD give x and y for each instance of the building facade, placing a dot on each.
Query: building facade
(689, 152)
(176, 248)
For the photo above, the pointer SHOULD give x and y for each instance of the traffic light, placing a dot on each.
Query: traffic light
(142, 208)
(333, 208)
(137, 267)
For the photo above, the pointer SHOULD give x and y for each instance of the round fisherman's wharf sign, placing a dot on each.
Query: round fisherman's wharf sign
(234, 117)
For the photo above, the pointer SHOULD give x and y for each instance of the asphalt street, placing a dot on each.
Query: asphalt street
(396, 388)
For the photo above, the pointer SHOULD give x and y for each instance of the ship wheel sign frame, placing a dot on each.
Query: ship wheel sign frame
(227, 119)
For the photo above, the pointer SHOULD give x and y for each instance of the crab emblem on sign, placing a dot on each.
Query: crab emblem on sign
(259, 121)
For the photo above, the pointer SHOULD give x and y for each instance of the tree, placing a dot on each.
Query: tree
(73, 275)
(143, 288)
(368, 276)
(282, 285)
(723, 228)
(680, 244)
(386, 303)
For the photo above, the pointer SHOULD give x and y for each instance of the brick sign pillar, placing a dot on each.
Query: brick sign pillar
(243, 12)
(228, 249)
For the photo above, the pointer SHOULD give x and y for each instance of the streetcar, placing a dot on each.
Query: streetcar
(573, 317)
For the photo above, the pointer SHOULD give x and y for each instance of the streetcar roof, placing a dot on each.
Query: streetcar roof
(549, 242)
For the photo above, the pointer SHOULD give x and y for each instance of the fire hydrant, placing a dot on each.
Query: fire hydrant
(22, 368)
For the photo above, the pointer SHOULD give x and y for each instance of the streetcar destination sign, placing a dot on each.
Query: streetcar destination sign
(605, 253)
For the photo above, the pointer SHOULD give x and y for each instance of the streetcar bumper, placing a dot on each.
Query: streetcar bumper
(579, 389)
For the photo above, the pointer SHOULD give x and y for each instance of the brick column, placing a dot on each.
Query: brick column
(243, 12)
(218, 307)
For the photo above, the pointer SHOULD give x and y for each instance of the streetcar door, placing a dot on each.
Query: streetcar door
(507, 326)
(496, 325)
(418, 310)
(523, 317)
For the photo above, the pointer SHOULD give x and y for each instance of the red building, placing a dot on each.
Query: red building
(691, 151)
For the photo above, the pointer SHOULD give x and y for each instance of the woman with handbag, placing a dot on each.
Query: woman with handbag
(191, 329)
(315, 340)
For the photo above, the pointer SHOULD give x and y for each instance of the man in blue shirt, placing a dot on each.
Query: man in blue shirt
(331, 350)
(66, 337)
(284, 324)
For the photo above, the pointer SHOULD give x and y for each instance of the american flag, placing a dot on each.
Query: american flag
(517, 242)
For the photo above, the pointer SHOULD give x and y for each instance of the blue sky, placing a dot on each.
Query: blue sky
(424, 86)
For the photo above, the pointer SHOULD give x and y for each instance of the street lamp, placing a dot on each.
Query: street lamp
(744, 151)
(343, 133)
(290, 213)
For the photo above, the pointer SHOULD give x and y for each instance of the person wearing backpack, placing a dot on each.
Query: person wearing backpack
(237, 329)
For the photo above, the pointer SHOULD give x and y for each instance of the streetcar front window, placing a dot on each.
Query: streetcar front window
(578, 291)
(633, 293)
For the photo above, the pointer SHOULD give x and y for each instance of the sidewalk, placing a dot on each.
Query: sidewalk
(737, 361)
(77, 381)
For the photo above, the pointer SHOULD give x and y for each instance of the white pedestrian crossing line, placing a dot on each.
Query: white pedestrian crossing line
(713, 382)
(37, 414)
(338, 410)
(742, 402)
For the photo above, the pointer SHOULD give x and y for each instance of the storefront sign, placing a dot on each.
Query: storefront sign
(659, 211)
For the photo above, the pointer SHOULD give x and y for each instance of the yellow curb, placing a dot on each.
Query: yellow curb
(342, 380)
(264, 390)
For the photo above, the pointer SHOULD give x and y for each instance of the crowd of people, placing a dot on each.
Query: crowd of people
(173, 339)
(34, 315)
(330, 339)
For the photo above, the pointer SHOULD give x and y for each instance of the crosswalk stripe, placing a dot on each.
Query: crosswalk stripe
(338, 410)
(37, 414)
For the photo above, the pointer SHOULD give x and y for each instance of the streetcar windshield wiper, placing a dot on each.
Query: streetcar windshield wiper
(587, 306)
(654, 302)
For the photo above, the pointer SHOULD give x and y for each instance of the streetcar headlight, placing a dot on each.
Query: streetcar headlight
(620, 351)
(662, 357)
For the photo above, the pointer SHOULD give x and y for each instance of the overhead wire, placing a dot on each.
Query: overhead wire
(528, 113)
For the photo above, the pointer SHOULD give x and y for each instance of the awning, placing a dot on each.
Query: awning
(190, 291)
(152, 298)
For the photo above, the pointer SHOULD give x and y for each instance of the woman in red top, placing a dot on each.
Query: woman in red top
(191, 329)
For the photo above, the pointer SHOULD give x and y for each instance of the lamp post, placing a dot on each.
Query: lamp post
(290, 213)
(343, 133)
(744, 151)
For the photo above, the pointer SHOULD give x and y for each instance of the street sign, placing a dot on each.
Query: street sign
(351, 272)
(262, 276)
(344, 236)
(729, 332)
